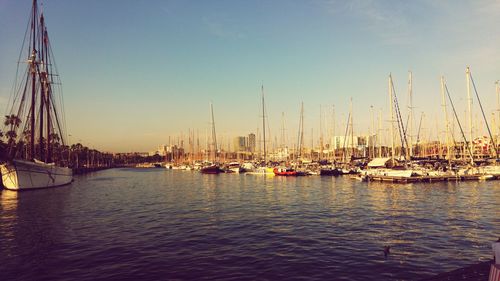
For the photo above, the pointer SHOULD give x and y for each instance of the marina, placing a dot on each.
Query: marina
(335, 168)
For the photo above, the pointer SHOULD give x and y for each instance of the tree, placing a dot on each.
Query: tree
(13, 121)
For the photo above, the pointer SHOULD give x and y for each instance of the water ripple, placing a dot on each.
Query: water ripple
(177, 225)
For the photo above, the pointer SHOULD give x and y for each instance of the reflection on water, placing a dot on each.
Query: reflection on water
(8, 201)
(164, 224)
(8, 211)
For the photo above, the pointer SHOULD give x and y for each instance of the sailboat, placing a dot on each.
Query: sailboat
(212, 168)
(34, 159)
(262, 168)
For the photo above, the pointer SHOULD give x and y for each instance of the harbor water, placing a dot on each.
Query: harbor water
(158, 224)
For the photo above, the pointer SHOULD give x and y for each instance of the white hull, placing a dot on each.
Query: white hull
(388, 172)
(22, 175)
(262, 171)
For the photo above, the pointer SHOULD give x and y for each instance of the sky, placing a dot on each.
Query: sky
(136, 72)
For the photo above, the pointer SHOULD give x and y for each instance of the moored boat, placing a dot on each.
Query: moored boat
(33, 160)
(282, 171)
(232, 167)
(330, 171)
(211, 169)
(22, 174)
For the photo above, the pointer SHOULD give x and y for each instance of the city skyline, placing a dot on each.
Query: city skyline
(134, 73)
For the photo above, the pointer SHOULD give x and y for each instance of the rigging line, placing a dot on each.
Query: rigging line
(57, 121)
(402, 134)
(484, 117)
(407, 122)
(459, 125)
(21, 104)
(345, 137)
(13, 89)
(16, 90)
(62, 128)
(419, 127)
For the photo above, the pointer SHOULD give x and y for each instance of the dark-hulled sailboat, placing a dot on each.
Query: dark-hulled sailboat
(36, 132)
(212, 168)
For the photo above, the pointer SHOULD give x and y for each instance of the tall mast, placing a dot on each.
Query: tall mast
(334, 143)
(372, 130)
(445, 112)
(410, 109)
(263, 123)
(33, 82)
(320, 133)
(392, 119)
(352, 128)
(47, 87)
(312, 144)
(214, 136)
(379, 133)
(301, 130)
(469, 104)
(283, 138)
(43, 89)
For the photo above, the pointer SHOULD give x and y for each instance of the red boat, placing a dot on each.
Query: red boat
(284, 172)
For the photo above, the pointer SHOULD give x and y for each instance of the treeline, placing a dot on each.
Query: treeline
(75, 156)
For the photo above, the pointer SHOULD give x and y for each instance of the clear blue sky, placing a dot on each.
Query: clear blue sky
(135, 72)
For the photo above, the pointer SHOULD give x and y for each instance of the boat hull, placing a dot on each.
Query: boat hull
(287, 172)
(24, 175)
(330, 172)
(214, 169)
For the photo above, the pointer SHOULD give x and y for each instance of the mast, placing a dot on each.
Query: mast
(372, 132)
(484, 116)
(214, 136)
(447, 132)
(392, 119)
(344, 147)
(378, 137)
(47, 87)
(334, 143)
(410, 109)
(32, 61)
(320, 156)
(469, 104)
(263, 123)
(352, 128)
(417, 142)
(301, 130)
(43, 89)
(466, 146)
(282, 141)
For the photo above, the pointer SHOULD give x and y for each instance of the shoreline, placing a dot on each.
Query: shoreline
(81, 171)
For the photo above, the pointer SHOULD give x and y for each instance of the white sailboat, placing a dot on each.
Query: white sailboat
(35, 125)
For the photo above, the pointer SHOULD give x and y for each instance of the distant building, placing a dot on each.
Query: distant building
(174, 153)
(240, 144)
(338, 142)
(251, 142)
(162, 151)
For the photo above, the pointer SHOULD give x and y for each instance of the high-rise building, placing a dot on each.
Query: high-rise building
(251, 142)
(240, 144)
